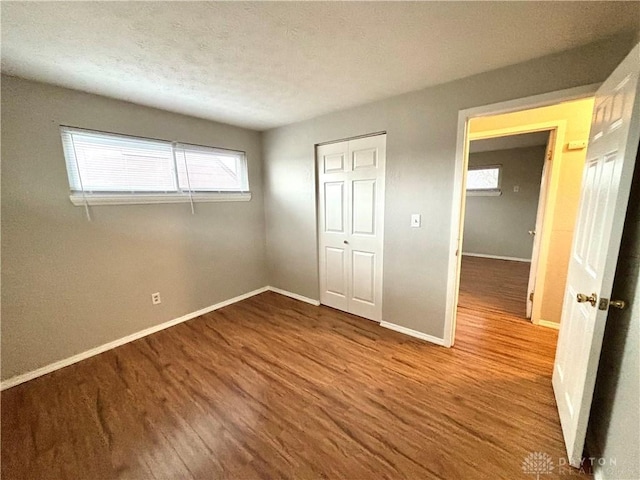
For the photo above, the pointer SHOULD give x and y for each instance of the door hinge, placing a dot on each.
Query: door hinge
(530, 297)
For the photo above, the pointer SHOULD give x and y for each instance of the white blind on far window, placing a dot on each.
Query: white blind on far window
(483, 178)
(204, 169)
(103, 163)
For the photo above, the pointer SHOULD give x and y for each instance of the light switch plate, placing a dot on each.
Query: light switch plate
(415, 220)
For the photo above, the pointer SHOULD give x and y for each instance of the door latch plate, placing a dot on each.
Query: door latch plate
(603, 304)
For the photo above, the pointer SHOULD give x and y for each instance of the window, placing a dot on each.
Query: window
(484, 180)
(105, 168)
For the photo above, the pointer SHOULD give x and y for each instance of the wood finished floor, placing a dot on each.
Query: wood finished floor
(495, 286)
(274, 388)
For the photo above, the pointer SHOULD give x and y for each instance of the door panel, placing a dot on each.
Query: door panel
(350, 216)
(364, 207)
(364, 158)
(601, 200)
(336, 272)
(586, 208)
(333, 193)
(334, 207)
(611, 155)
(334, 163)
(363, 276)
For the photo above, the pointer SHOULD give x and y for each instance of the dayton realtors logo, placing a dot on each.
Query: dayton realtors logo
(541, 463)
(538, 463)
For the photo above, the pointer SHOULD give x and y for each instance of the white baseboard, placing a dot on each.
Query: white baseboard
(18, 379)
(548, 324)
(413, 333)
(496, 257)
(390, 326)
(294, 295)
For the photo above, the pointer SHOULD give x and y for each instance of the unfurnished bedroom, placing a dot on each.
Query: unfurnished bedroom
(319, 240)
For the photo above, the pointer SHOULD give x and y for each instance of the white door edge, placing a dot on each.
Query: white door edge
(545, 181)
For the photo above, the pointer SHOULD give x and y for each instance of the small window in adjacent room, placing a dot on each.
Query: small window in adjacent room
(110, 169)
(484, 180)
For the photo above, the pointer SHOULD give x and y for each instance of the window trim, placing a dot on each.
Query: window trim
(485, 192)
(83, 198)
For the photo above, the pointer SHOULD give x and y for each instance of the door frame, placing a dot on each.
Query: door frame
(461, 165)
(318, 219)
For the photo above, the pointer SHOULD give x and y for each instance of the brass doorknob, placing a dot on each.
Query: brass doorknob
(582, 298)
(618, 304)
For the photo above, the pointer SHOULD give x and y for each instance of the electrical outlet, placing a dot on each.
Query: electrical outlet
(516, 188)
(155, 298)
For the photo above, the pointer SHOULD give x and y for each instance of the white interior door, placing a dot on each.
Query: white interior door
(606, 182)
(350, 216)
(537, 232)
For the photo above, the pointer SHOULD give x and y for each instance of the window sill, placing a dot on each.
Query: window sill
(143, 199)
(484, 193)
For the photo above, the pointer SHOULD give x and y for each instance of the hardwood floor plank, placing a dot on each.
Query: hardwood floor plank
(274, 388)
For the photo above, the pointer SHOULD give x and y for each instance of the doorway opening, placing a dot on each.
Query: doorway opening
(505, 199)
(515, 230)
(612, 135)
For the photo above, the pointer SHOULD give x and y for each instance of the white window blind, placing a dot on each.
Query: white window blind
(98, 162)
(484, 179)
(202, 169)
(106, 168)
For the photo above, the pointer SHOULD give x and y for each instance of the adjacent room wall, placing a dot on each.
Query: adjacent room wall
(613, 427)
(499, 225)
(421, 144)
(563, 195)
(68, 284)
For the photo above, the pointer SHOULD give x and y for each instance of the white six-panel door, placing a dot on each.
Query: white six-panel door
(606, 183)
(350, 217)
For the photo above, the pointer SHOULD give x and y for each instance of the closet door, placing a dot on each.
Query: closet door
(351, 214)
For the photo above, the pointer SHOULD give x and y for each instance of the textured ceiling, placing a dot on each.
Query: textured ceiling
(265, 64)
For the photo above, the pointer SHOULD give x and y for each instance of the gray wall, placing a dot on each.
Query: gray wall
(421, 143)
(615, 414)
(499, 225)
(68, 284)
